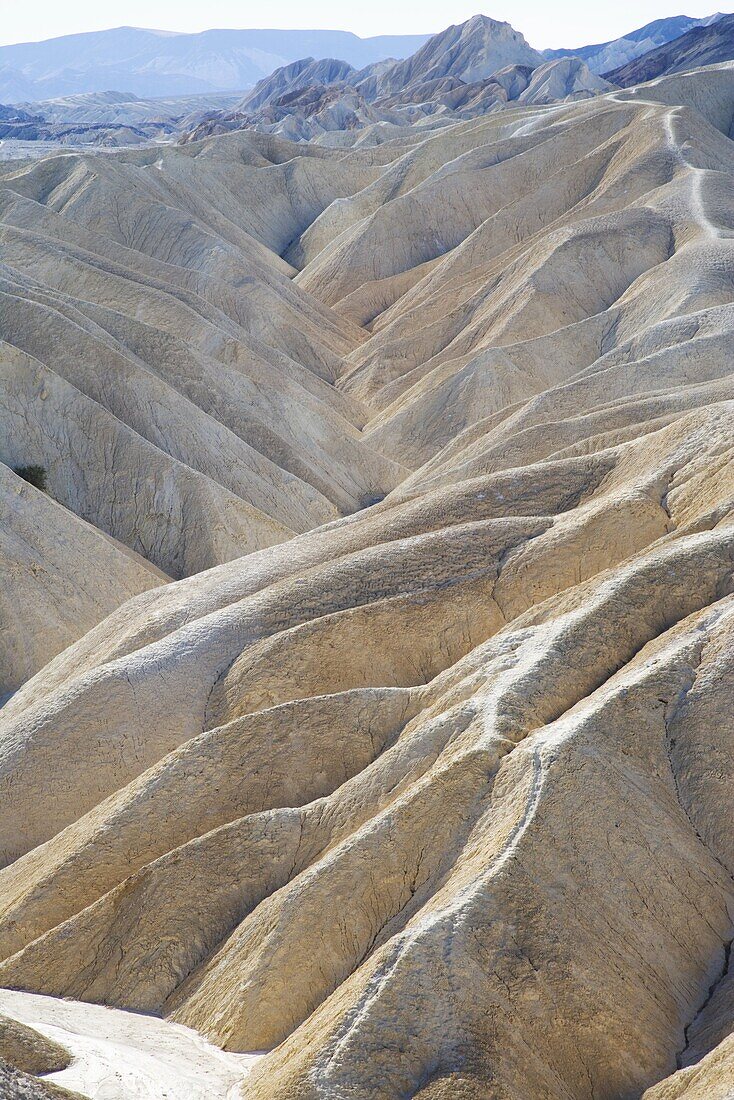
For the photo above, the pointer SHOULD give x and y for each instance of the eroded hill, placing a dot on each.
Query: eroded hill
(429, 796)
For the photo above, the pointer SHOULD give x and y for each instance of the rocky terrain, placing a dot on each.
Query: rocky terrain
(379, 504)
(470, 69)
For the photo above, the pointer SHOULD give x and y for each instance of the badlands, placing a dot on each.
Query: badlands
(369, 652)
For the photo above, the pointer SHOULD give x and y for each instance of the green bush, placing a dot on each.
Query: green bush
(34, 475)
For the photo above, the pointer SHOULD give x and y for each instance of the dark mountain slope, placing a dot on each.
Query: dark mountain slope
(603, 56)
(699, 46)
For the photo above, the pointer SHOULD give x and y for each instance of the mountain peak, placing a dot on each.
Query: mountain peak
(471, 51)
(483, 20)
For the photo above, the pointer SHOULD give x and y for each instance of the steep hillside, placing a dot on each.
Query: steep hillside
(292, 78)
(425, 796)
(470, 51)
(62, 576)
(161, 365)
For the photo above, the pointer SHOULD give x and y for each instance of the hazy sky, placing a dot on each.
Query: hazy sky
(543, 22)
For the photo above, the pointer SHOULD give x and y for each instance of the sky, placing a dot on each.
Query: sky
(544, 23)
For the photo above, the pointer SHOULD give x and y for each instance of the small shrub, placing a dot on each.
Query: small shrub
(34, 475)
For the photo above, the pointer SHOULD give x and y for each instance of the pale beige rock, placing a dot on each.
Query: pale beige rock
(61, 576)
(222, 369)
(430, 798)
(710, 1079)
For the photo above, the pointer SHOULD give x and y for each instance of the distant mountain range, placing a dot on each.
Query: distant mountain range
(703, 45)
(391, 70)
(605, 56)
(159, 63)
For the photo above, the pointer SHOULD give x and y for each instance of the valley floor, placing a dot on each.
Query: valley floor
(121, 1055)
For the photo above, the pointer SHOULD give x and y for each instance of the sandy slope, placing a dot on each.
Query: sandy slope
(431, 799)
(65, 575)
(123, 1056)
